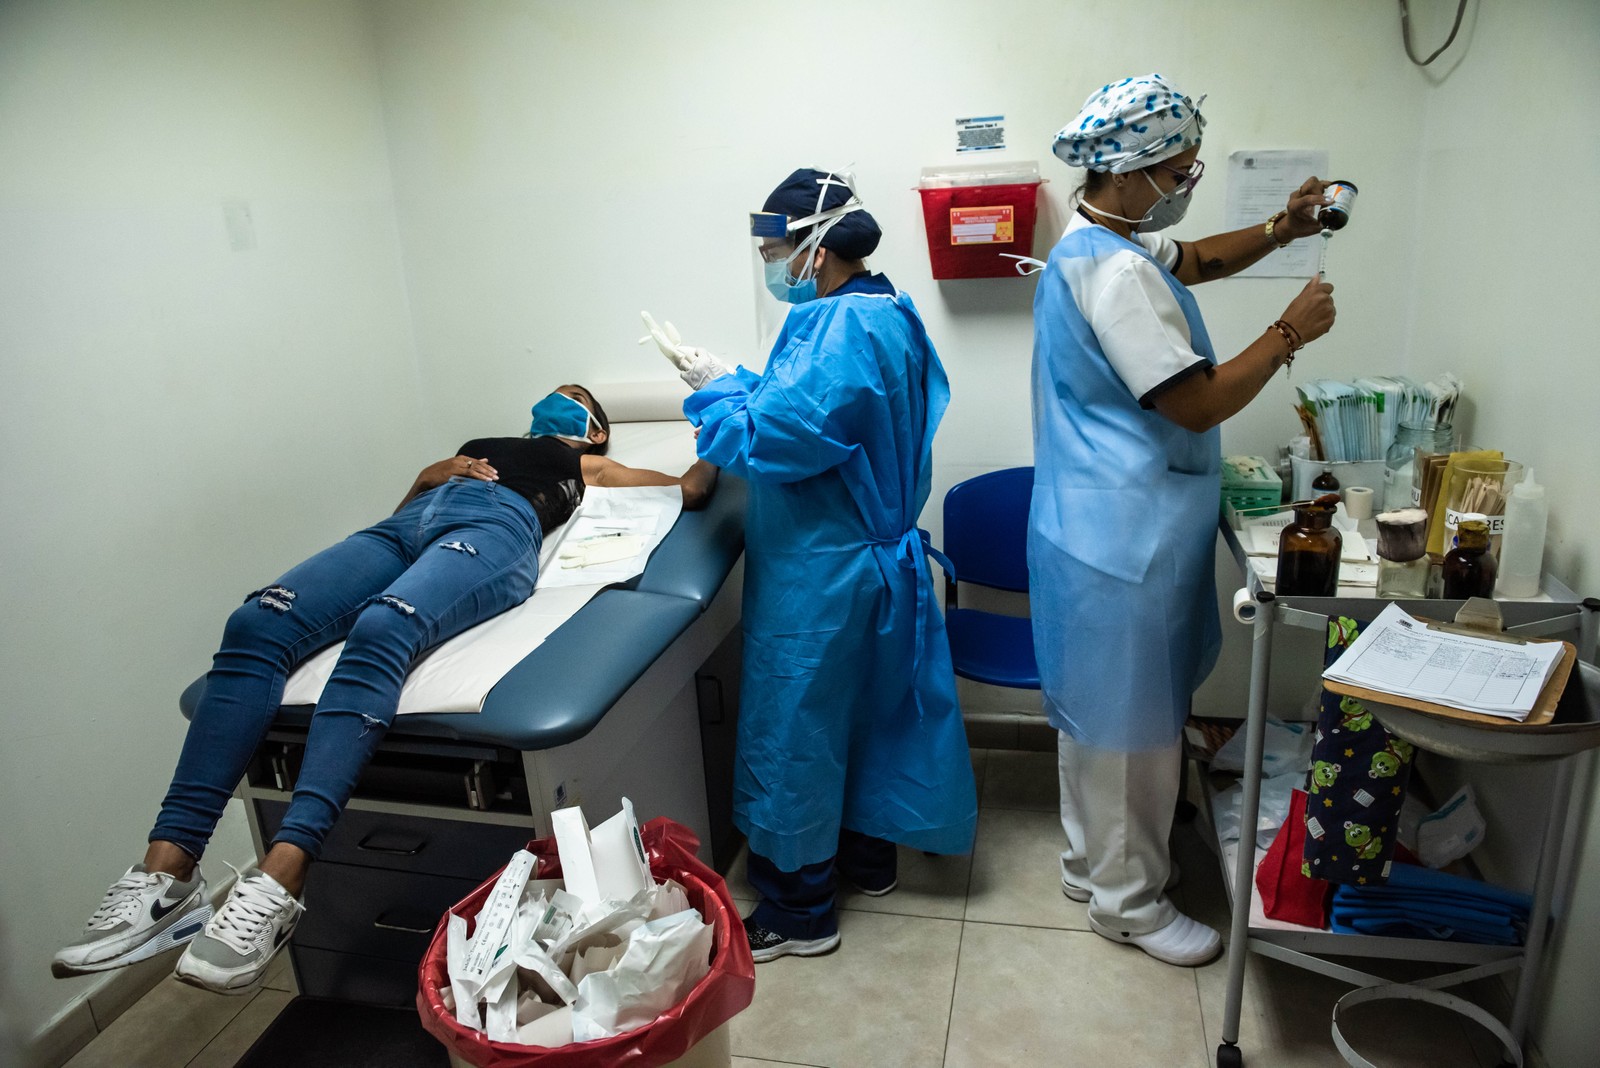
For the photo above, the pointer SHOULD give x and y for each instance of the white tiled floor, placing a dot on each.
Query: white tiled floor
(970, 963)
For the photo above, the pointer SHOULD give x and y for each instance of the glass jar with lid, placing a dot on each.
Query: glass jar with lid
(1401, 480)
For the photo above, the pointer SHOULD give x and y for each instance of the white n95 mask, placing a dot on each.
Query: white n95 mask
(1168, 211)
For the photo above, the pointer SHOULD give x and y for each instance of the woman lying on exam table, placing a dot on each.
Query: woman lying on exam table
(463, 546)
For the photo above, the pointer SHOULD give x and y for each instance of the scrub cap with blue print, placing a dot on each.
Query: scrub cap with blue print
(1130, 124)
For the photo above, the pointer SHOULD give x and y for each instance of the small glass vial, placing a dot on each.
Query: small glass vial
(1469, 568)
(1403, 565)
(1308, 551)
(1325, 483)
(1334, 216)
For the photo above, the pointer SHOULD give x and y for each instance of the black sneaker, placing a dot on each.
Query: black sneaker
(768, 945)
(878, 891)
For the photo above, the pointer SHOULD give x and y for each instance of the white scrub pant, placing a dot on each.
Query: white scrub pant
(1116, 810)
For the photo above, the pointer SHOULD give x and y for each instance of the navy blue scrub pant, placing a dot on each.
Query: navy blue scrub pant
(799, 904)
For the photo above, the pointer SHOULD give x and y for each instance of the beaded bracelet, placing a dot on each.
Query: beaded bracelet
(1291, 338)
(1293, 335)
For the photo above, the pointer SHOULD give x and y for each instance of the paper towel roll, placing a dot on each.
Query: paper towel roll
(659, 400)
(1244, 605)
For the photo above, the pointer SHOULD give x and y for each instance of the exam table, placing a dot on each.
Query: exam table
(636, 694)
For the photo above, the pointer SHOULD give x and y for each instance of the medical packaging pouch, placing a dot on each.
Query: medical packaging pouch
(1452, 832)
(1356, 785)
(606, 864)
(1285, 749)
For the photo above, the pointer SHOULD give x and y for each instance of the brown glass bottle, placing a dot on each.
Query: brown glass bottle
(1325, 483)
(1308, 551)
(1343, 197)
(1469, 568)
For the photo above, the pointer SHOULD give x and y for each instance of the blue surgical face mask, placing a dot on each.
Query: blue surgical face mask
(559, 416)
(777, 279)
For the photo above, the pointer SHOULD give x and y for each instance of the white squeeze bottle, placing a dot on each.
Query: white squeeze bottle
(1522, 545)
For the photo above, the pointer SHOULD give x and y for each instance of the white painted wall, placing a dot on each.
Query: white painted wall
(558, 166)
(1503, 295)
(179, 421)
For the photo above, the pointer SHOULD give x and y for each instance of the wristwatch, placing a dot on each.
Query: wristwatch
(1269, 228)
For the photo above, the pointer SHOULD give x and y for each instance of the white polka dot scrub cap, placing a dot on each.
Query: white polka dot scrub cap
(1130, 124)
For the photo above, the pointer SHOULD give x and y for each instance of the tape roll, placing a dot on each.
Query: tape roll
(1244, 606)
(1358, 502)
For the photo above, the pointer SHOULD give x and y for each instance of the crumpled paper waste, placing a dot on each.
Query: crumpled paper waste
(605, 951)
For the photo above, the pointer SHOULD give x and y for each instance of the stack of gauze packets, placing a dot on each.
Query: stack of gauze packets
(601, 952)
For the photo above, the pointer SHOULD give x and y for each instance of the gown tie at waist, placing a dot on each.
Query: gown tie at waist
(909, 548)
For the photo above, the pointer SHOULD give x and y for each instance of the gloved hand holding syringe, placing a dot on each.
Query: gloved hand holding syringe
(695, 366)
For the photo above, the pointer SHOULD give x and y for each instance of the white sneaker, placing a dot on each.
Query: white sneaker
(1082, 894)
(143, 914)
(232, 954)
(1183, 942)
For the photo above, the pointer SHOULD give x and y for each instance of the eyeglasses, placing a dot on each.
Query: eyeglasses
(1190, 176)
(777, 251)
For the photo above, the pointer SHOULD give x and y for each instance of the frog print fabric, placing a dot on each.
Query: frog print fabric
(1356, 784)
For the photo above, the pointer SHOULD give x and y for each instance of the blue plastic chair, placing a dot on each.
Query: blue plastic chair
(986, 541)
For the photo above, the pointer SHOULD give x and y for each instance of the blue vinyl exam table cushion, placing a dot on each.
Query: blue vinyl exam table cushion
(561, 690)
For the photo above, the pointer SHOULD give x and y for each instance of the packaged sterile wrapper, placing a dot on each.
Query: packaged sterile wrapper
(648, 976)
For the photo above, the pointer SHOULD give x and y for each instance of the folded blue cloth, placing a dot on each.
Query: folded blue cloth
(1422, 903)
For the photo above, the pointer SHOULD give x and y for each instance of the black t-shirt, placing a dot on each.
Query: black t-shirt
(544, 470)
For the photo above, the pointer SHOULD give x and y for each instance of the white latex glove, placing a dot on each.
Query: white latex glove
(695, 366)
(703, 369)
(668, 341)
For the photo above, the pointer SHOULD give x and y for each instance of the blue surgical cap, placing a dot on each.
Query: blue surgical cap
(853, 236)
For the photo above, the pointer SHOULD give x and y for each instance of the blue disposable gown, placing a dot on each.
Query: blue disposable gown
(1122, 529)
(848, 715)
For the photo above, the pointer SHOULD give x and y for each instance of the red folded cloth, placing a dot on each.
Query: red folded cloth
(1287, 893)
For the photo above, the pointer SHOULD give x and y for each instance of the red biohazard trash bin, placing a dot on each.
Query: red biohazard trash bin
(693, 1032)
(976, 215)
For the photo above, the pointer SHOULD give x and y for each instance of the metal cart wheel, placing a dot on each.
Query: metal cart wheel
(1229, 1056)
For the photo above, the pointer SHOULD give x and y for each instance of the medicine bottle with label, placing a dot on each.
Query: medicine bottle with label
(1469, 568)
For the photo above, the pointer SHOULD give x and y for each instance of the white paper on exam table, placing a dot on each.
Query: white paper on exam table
(1397, 653)
(458, 674)
(637, 519)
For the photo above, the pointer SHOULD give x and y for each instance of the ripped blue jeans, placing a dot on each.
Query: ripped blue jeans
(449, 559)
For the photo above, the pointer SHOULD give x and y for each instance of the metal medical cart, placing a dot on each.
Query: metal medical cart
(1577, 728)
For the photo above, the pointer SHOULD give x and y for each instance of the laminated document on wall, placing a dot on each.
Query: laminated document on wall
(1260, 183)
(1400, 654)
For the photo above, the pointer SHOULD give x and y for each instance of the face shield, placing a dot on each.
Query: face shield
(784, 254)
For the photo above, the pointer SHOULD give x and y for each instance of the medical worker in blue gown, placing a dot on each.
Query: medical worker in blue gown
(850, 737)
(1127, 398)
